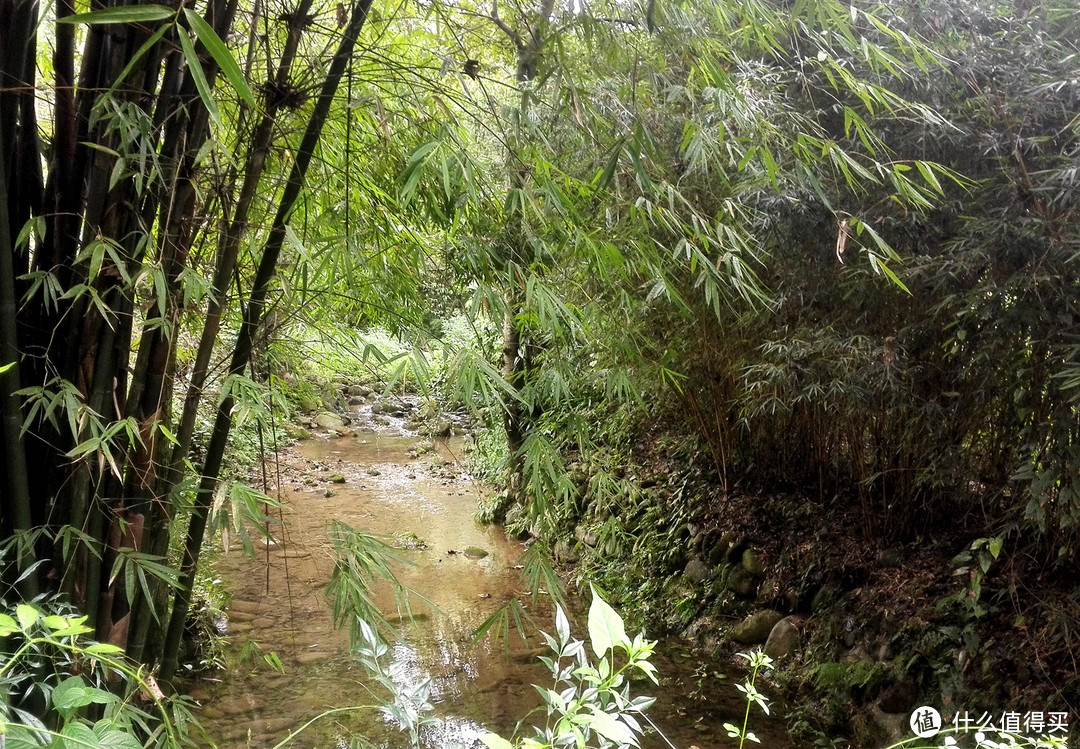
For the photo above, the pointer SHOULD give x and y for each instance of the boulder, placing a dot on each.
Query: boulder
(751, 562)
(783, 638)
(756, 627)
(357, 391)
(296, 433)
(585, 536)
(387, 407)
(742, 583)
(720, 549)
(336, 478)
(698, 571)
(565, 552)
(327, 420)
(356, 400)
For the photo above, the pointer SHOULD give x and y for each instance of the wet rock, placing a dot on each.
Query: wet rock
(387, 407)
(373, 471)
(698, 571)
(336, 478)
(327, 420)
(751, 562)
(313, 656)
(328, 493)
(475, 552)
(250, 607)
(756, 627)
(357, 391)
(783, 638)
(263, 622)
(742, 583)
(356, 400)
(239, 705)
(240, 616)
(296, 433)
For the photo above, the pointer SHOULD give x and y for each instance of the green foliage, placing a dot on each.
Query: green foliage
(589, 703)
(757, 661)
(59, 688)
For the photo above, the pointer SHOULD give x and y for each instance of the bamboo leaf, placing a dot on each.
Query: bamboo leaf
(123, 14)
(209, 38)
(199, 77)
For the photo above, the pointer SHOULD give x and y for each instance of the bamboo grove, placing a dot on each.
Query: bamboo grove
(745, 205)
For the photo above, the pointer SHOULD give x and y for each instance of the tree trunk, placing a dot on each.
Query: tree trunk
(246, 338)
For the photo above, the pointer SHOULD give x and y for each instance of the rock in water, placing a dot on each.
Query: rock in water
(327, 420)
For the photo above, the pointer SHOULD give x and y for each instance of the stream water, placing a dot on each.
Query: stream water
(278, 603)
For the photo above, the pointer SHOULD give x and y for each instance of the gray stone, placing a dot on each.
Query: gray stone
(356, 400)
(742, 583)
(327, 420)
(756, 627)
(698, 571)
(564, 551)
(783, 638)
(356, 390)
(387, 407)
(751, 562)
(313, 656)
(585, 536)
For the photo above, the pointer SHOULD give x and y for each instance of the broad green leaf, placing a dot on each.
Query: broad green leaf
(606, 628)
(494, 741)
(26, 615)
(114, 739)
(7, 625)
(221, 54)
(123, 14)
(610, 727)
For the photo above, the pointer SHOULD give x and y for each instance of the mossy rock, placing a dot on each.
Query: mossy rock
(751, 562)
(475, 552)
(296, 433)
(755, 628)
(336, 478)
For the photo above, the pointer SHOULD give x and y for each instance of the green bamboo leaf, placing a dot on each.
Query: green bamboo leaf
(220, 53)
(124, 14)
(195, 66)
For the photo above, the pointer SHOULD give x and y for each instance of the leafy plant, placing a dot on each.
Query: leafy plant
(46, 660)
(589, 702)
(758, 661)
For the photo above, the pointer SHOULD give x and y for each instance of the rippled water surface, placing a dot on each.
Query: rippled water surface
(279, 605)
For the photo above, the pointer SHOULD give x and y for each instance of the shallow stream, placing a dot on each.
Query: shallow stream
(279, 605)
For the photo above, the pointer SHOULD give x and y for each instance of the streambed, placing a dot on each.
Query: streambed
(279, 605)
